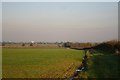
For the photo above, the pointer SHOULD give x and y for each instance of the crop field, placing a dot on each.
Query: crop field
(40, 63)
(57, 63)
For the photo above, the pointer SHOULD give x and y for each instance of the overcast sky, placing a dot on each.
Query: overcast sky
(60, 21)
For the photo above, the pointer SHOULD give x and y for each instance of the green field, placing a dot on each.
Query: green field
(57, 63)
(40, 63)
(102, 65)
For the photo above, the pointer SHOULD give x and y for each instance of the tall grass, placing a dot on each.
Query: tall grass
(102, 65)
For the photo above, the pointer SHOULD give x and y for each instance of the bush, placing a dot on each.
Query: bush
(23, 44)
(31, 44)
(3, 44)
(105, 47)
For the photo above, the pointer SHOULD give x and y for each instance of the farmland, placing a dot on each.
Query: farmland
(45, 61)
(102, 65)
(40, 63)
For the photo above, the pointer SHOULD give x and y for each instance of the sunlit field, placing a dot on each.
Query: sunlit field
(40, 63)
(60, 40)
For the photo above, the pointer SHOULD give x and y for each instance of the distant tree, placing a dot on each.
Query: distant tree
(105, 47)
(3, 44)
(31, 44)
(67, 44)
(23, 44)
(117, 46)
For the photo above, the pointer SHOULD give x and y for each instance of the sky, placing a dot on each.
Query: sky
(60, 0)
(59, 21)
(0, 21)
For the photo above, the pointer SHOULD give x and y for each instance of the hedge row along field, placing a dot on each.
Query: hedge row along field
(40, 63)
(102, 65)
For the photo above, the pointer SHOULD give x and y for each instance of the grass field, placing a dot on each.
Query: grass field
(57, 63)
(40, 63)
(102, 65)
